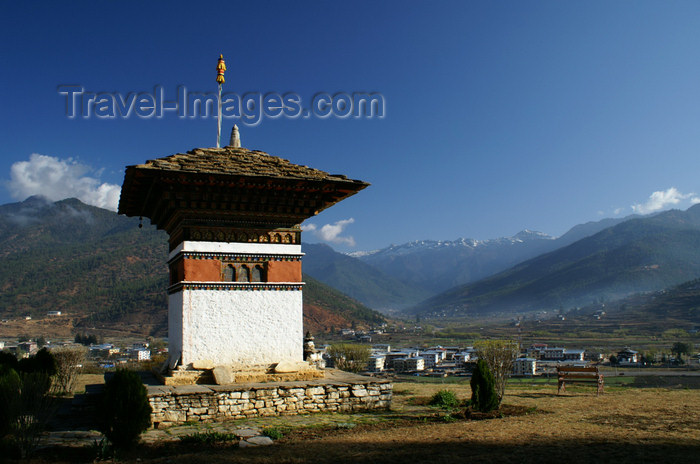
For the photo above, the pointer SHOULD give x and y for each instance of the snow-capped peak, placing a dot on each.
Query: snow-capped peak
(420, 245)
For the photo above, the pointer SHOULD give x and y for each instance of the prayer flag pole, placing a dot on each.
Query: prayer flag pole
(220, 68)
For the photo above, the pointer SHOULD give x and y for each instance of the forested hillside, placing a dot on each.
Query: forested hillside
(638, 255)
(103, 270)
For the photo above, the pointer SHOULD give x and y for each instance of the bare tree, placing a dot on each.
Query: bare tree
(349, 356)
(69, 363)
(499, 356)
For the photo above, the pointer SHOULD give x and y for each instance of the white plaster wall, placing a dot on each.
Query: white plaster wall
(237, 326)
(234, 247)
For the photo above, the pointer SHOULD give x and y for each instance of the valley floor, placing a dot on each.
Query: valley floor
(626, 424)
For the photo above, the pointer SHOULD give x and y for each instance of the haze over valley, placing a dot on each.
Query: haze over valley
(102, 268)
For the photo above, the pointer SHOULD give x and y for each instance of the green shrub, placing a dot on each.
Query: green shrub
(37, 407)
(124, 409)
(10, 384)
(273, 433)
(25, 406)
(444, 399)
(484, 396)
(208, 437)
(42, 361)
(8, 359)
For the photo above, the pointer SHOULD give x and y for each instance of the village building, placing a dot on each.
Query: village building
(465, 357)
(450, 352)
(406, 364)
(439, 351)
(524, 366)
(29, 347)
(381, 348)
(376, 363)
(595, 356)
(430, 359)
(104, 350)
(414, 364)
(139, 354)
(574, 355)
(536, 349)
(553, 353)
(396, 355)
(546, 367)
(628, 356)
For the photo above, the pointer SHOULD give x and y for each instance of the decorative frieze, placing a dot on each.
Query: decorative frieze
(199, 233)
(234, 286)
(235, 257)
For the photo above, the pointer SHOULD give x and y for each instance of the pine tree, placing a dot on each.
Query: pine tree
(484, 397)
(124, 409)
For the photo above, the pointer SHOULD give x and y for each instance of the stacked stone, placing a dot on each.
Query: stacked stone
(173, 405)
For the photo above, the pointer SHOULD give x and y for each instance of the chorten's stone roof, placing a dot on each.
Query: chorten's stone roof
(235, 176)
(238, 162)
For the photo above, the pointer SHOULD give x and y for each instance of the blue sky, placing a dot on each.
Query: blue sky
(499, 116)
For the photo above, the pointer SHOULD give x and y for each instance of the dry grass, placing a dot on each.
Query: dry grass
(624, 425)
(87, 379)
(629, 425)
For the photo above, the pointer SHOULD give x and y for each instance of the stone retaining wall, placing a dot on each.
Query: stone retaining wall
(208, 403)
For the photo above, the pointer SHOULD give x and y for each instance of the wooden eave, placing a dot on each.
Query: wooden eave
(144, 191)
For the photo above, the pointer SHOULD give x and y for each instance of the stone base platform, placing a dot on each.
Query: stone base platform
(226, 375)
(337, 392)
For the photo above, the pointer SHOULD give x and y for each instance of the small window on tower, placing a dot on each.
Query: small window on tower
(243, 274)
(257, 274)
(229, 273)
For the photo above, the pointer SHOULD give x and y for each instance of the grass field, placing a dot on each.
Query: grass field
(626, 424)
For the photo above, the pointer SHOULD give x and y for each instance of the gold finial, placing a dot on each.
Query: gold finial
(220, 68)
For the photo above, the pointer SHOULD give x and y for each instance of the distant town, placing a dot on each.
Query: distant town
(434, 361)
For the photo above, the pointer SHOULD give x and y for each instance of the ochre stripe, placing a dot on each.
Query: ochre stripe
(202, 270)
(284, 271)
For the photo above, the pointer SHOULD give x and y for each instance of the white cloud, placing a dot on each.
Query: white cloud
(58, 179)
(660, 200)
(617, 211)
(694, 201)
(332, 232)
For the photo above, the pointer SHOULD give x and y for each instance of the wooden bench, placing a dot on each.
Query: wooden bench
(573, 374)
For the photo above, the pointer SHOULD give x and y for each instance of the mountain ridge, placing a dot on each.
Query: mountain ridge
(439, 265)
(357, 279)
(102, 269)
(639, 254)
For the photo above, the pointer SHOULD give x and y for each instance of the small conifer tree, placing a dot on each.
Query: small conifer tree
(10, 384)
(124, 409)
(25, 406)
(484, 397)
(8, 359)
